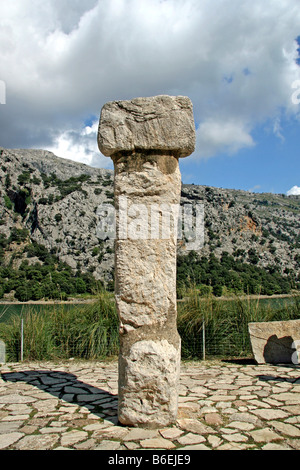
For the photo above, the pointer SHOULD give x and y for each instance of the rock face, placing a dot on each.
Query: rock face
(56, 200)
(145, 137)
(275, 342)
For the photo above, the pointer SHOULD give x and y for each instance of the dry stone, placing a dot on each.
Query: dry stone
(145, 137)
(275, 342)
(157, 123)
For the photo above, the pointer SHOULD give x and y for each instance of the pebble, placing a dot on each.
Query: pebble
(222, 406)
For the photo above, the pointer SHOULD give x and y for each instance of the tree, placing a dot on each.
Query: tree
(23, 294)
(217, 290)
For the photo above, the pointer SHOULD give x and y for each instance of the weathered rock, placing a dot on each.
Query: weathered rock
(145, 137)
(148, 382)
(275, 342)
(37, 442)
(9, 439)
(191, 438)
(265, 435)
(75, 239)
(157, 443)
(157, 123)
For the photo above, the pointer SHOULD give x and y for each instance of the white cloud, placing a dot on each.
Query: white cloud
(294, 191)
(61, 61)
(216, 137)
(80, 146)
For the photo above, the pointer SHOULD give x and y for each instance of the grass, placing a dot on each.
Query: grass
(90, 331)
(226, 323)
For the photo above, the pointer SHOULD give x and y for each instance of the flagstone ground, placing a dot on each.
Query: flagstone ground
(222, 406)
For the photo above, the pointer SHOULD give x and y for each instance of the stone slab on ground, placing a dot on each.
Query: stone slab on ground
(275, 342)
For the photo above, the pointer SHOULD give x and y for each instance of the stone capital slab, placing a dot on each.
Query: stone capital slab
(161, 123)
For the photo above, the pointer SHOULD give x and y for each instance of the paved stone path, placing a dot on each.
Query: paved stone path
(222, 406)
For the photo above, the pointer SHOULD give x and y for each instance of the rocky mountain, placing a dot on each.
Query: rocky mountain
(257, 228)
(54, 202)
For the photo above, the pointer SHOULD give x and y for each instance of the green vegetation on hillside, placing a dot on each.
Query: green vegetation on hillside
(50, 278)
(47, 279)
(229, 275)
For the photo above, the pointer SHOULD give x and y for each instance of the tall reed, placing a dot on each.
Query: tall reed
(89, 331)
(226, 322)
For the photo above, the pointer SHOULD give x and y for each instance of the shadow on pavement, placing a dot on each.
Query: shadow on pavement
(273, 378)
(67, 387)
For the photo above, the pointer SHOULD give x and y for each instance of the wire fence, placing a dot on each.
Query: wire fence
(199, 345)
(208, 329)
(202, 344)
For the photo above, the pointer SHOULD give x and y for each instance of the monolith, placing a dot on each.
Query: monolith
(145, 137)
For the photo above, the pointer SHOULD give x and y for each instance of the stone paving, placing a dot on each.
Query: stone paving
(222, 406)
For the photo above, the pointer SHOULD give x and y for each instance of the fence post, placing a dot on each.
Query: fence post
(2, 352)
(22, 338)
(203, 338)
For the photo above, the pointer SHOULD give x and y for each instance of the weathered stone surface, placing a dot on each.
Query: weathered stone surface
(14, 398)
(159, 123)
(157, 443)
(191, 438)
(275, 342)
(276, 447)
(8, 439)
(269, 414)
(73, 437)
(145, 137)
(285, 428)
(138, 434)
(265, 435)
(149, 378)
(108, 445)
(37, 442)
(194, 426)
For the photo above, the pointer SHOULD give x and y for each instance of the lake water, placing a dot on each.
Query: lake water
(7, 310)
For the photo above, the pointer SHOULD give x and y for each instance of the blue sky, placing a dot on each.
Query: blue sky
(238, 61)
(272, 165)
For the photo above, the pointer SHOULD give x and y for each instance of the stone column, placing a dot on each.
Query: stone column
(145, 137)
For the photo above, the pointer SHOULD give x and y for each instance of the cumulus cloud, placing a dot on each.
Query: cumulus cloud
(294, 191)
(80, 146)
(61, 61)
(215, 137)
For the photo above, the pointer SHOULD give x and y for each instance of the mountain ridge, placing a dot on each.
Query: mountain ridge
(54, 201)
